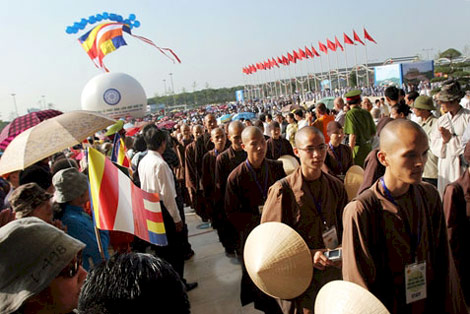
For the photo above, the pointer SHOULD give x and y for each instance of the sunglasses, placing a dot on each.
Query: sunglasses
(72, 268)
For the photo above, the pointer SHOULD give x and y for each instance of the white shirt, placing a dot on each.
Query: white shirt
(301, 124)
(340, 117)
(156, 177)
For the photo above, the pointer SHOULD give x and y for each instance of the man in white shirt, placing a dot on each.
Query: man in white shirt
(301, 121)
(156, 177)
(339, 108)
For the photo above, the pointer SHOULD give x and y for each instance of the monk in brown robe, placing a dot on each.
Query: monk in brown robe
(339, 156)
(208, 169)
(395, 239)
(457, 211)
(180, 149)
(277, 146)
(311, 202)
(191, 179)
(246, 192)
(226, 162)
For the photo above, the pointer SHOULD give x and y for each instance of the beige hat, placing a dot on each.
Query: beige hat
(69, 184)
(278, 260)
(346, 297)
(353, 181)
(289, 163)
(450, 91)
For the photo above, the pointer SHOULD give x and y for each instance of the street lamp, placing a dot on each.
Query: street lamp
(164, 87)
(44, 101)
(172, 88)
(14, 103)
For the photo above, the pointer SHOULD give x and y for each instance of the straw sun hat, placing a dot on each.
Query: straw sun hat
(289, 163)
(353, 181)
(343, 297)
(278, 260)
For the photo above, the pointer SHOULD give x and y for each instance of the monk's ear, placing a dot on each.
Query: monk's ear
(296, 152)
(382, 157)
(243, 146)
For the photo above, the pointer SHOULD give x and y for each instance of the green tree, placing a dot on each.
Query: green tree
(450, 53)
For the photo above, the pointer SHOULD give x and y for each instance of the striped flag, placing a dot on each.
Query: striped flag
(120, 205)
(119, 152)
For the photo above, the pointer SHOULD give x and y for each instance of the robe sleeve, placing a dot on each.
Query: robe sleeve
(190, 168)
(452, 200)
(207, 182)
(273, 207)
(358, 264)
(232, 205)
(437, 147)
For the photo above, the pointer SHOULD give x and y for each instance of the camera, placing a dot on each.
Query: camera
(334, 255)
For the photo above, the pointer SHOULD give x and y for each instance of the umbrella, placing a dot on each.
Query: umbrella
(328, 101)
(166, 125)
(51, 136)
(23, 123)
(128, 126)
(289, 108)
(132, 131)
(244, 115)
(225, 118)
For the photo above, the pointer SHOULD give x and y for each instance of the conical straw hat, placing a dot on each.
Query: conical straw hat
(344, 297)
(289, 163)
(278, 260)
(353, 181)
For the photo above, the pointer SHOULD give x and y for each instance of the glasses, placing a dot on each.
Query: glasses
(72, 268)
(310, 149)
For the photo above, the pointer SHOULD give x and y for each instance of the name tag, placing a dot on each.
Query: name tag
(330, 238)
(415, 280)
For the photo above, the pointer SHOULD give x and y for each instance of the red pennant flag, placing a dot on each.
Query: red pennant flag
(285, 61)
(259, 66)
(275, 62)
(347, 40)
(302, 54)
(267, 65)
(290, 57)
(357, 38)
(315, 52)
(338, 44)
(296, 56)
(253, 68)
(279, 60)
(331, 45)
(368, 37)
(308, 53)
(322, 47)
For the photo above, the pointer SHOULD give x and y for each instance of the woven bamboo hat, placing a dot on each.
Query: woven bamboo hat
(289, 163)
(278, 260)
(353, 181)
(346, 297)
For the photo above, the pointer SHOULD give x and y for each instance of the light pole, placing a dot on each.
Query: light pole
(164, 87)
(44, 101)
(427, 50)
(172, 88)
(14, 103)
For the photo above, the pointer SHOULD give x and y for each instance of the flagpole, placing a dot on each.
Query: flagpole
(337, 67)
(367, 67)
(346, 60)
(329, 71)
(314, 76)
(355, 56)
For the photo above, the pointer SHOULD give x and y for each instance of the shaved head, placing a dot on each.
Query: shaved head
(397, 131)
(303, 134)
(216, 131)
(235, 127)
(250, 132)
(210, 122)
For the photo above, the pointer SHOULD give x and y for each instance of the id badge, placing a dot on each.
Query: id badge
(260, 209)
(330, 238)
(415, 280)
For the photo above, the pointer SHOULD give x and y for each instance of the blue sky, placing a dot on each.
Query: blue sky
(214, 40)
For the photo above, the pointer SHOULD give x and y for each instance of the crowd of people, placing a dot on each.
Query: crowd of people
(403, 236)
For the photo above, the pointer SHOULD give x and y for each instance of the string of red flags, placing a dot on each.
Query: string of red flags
(308, 52)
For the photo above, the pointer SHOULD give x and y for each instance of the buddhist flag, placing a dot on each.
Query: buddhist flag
(368, 37)
(119, 152)
(322, 47)
(337, 43)
(120, 205)
(357, 38)
(330, 45)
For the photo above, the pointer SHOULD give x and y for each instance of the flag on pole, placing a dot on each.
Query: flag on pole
(308, 52)
(120, 205)
(348, 40)
(302, 54)
(330, 45)
(337, 43)
(290, 57)
(357, 38)
(295, 55)
(285, 61)
(315, 52)
(368, 37)
(275, 62)
(119, 152)
(322, 47)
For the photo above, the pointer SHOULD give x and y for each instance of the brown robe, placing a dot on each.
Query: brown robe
(376, 248)
(373, 170)
(180, 172)
(278, 148)
(297, 209)
(457, 214)
(208, 180)
(242, 200)
(338, 160)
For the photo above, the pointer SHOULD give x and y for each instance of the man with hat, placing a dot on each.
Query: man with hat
(40, 268)
(71, 192)
(360, 126)
(311, 202)
(31, 200)
(422, 107)
(446, 137)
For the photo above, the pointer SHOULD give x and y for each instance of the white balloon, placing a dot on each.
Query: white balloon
(115, 95)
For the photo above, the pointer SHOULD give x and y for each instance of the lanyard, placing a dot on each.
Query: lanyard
(216, 152)
(415, 239)
(264, 191)
(338, 158)
(319, 210)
